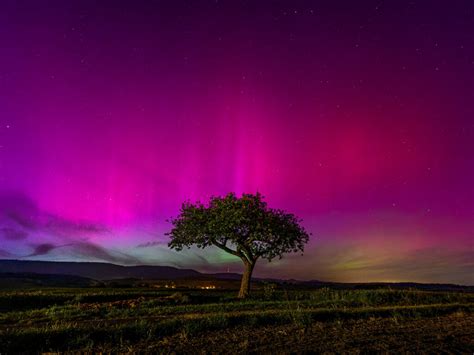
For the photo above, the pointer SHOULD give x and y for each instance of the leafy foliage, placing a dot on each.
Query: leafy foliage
(245, 227)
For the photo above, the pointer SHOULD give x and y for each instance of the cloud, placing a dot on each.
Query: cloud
(151, 244)
(13, 234)
(21, 218)
(154, 252)
(19, 212)
(98, 252)
(42, 249)
(61, 225)
(6, 254)
(83, 250)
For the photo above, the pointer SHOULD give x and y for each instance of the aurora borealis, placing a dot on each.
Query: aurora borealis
(355, 116)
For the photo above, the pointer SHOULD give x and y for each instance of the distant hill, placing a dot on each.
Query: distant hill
(26, 280)
(97, 271)
(85, 273)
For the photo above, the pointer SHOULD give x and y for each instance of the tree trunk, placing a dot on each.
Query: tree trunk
(246, 277)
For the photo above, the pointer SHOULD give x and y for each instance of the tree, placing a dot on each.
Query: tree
(245, 227)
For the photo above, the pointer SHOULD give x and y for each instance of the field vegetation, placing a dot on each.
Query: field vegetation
(190, 321)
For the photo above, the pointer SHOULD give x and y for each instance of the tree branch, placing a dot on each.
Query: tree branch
(227, 249)
(248, 253)
(244, 256)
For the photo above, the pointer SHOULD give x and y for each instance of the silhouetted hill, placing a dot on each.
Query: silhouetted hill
(228, 276)
(97, 271)
(21, 280)
(36, 270)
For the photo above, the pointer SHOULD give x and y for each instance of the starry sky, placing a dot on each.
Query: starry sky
(356, 116)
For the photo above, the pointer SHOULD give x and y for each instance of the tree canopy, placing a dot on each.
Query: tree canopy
(242, 226)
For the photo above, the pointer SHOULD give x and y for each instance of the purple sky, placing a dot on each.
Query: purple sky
(356, 116)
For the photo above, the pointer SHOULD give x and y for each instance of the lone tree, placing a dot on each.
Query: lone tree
(245, 227)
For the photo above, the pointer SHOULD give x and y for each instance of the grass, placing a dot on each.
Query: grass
(121, 319)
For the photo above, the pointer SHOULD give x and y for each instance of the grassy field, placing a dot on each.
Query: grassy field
(187, 321)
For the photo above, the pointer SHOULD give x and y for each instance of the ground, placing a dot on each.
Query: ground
(447, 334)
(214, 321)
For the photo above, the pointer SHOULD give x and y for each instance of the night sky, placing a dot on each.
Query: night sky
(357, 116)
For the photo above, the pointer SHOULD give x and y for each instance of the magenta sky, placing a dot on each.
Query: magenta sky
(356, 116)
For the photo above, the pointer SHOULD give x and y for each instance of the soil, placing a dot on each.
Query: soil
(453, 334)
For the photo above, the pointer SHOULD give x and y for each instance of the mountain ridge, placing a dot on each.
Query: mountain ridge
(102, 271)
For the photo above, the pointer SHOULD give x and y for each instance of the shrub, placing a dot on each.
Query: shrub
(269, 290)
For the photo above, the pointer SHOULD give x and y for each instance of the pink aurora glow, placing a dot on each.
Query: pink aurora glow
(106, 128)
